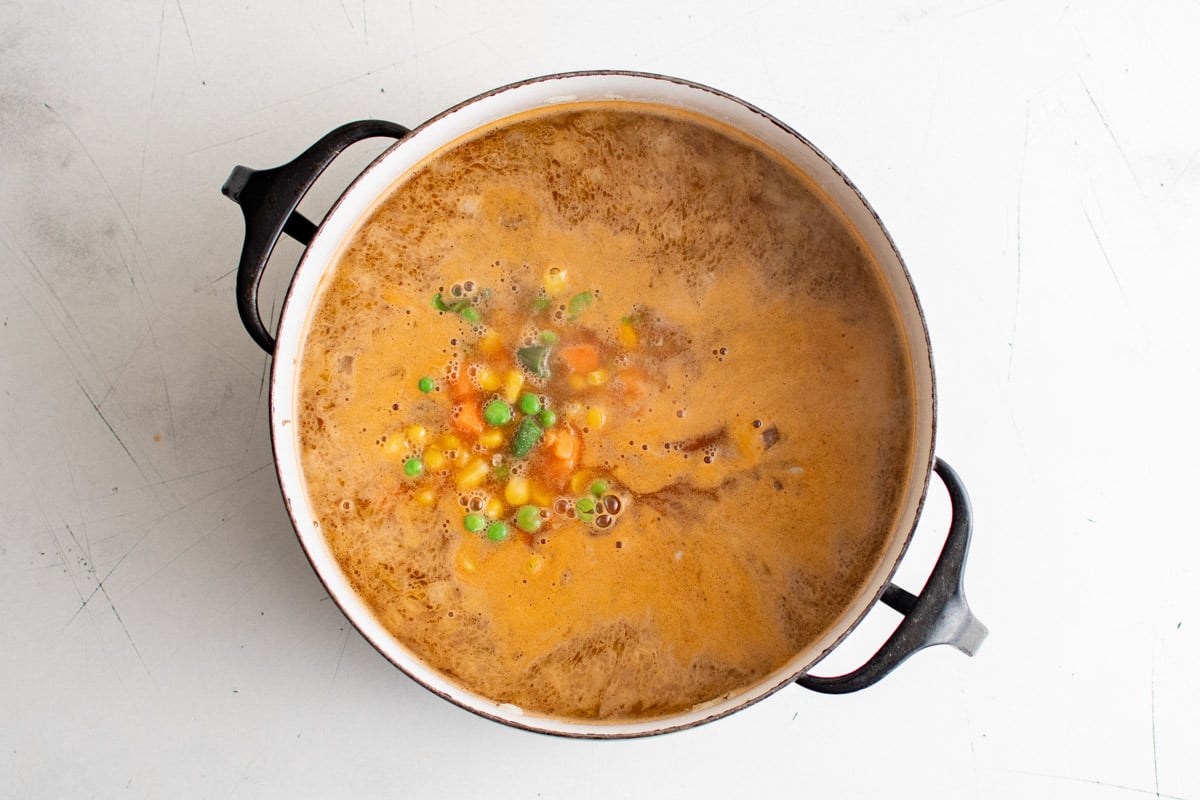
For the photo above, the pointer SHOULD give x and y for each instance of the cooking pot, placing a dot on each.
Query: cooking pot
(938, 614)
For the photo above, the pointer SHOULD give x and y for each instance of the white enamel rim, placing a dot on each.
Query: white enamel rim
(374, 183)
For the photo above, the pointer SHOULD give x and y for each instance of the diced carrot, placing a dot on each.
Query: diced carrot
(634, 383)
(582, 358)
(467, 417)
(555, 473)
(564, 445)
(559, 459)
(462, 387)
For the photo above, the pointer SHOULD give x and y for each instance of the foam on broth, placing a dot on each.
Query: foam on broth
(755, 415)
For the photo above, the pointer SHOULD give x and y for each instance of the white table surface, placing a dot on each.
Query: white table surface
(161, 633)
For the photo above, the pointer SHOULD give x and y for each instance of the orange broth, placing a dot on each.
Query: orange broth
(733, 412)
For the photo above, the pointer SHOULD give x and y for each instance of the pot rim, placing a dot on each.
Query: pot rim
(376, 181)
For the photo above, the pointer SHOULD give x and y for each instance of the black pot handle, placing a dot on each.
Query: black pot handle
(939, 615)
(269, 197)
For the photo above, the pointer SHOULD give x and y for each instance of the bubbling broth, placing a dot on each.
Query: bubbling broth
(606, 412)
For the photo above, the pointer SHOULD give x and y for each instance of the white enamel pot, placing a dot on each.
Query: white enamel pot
(938, 614)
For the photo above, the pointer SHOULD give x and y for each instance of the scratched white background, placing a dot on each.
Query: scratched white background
(161, 634)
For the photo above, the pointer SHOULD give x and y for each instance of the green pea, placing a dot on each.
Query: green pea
(497, 531)
(548, 337)
(579, 302)
(598, 488)
(413, 467)
(529, 403)
(547, 418)
(474, 522)
(585, 509)
(529, 518)
(497, 413)
(457, 307)
(425, 384)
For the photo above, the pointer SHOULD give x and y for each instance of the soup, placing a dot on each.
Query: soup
(605, 412)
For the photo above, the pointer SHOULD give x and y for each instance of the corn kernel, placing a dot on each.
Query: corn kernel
(434, 460)
(449, 441)
(461, 457)
(466, 561)
(472, 475)
(627, 336)
(493, 508)
(535, 563)
(597, 377)
(579, 482)
(539, 495)
(554, 281)
(426, 497)
(491, 438)
(395, 447)
(513, 382)
(516, 492)
(491, 343)
(577, 382)
(416, 434)
(489, 379)
(596, 417)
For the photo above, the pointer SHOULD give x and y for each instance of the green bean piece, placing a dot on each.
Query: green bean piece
(598, 488)
(536, 359)
(527, 435)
